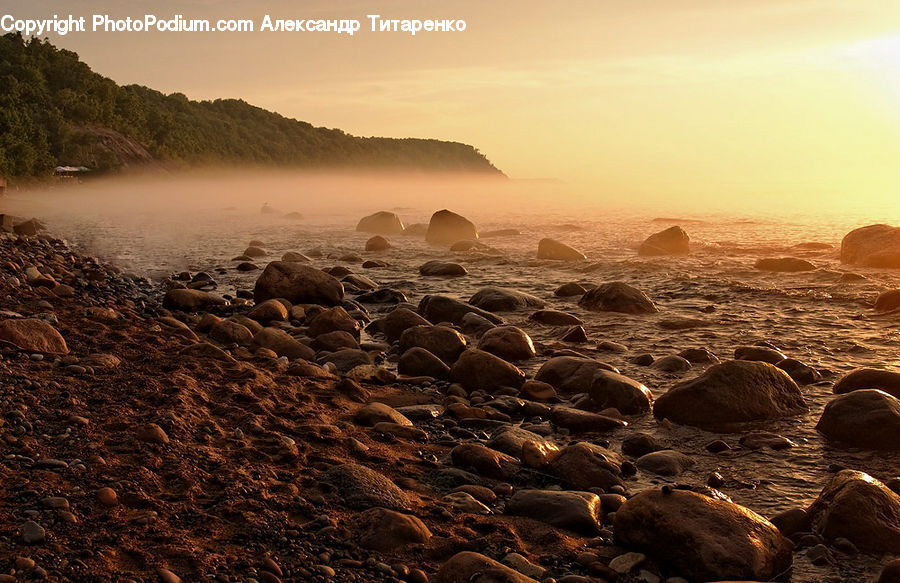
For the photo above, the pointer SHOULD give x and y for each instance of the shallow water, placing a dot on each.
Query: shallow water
(810, 316)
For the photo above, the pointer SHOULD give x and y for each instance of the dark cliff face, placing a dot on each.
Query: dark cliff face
(55, 111)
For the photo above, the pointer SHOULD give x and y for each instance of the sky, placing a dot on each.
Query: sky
(701, 100)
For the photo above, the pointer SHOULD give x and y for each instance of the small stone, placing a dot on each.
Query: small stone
(32, 532)
(152, 433)
(625, 563)
(107, 497)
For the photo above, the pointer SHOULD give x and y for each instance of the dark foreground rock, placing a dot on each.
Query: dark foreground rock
(866, 418)
(869, 378)
(297, 283)
(617, 296)
(499, 299)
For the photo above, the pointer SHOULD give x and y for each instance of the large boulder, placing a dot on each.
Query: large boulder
(869, 378)
(702, 538)
(381, 223)
(610, 389)
(297, 283)
(552, 249)
(445, 343)
(866, 418)
(571, 375)
(507, 342)
(437, 309)
(857, 507)
(576, 511)
(584, 466)
(399, 320)
(500, 299)
(784, 264)
(734, 391)
(191, 300)
(672, 241)
(888, 301)
(469, 567)
(447, 227)
(617, 296)
(33, 335)
(269, 311)
(872, 246)
(476, 369)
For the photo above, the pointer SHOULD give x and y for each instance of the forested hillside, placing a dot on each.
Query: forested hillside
(55, 111)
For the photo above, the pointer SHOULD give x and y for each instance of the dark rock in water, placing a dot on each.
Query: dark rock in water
(338, 271)
(792, 521)
(483, 460)
(469, 567)
(869, 378)
(610, 389)
(295, 257)
(866, 418)
(441, 341)
(888, 301)
(555, 318)
(665, 462)
(399, 320)
(360, 487)
(578, 421)
(508, 342)
(813, 246)
(476, 369)
(732, 392)
(378, 243)
(576, 511)
(28, 228)
(255, 252)
(671, 363)
(855, 506)
(571, 374)
(759, 354)
(702, 538)
(465, 246)
(784, 264)
(642, 359)
(359, 281)
(682, 323)
(585, 466)
(475, 324)
(415, 230)
(552, 249)
(570, 289)
(872, 246)
(764, 439)
(381, 223)
(802, 373)
(297, 283)
(332, 319)
(439, 309)
(419, 362)
(386, 531)
(383, 296)
(247, 266)
(575, 334)
(617, 296)
(374, 264)
(639, 444)
(435, 268)
(699, 356)
(446, 227)
(672, 241)
(32, 335)
(191, 300)
(499, 299)
(501, 233)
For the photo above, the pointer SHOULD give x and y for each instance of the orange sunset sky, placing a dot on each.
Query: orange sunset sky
(701, 98)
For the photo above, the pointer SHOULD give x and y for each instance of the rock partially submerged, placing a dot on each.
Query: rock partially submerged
(499, 299)
(552, 249)
(671, 241)
(866, 418)
(381, 223)
(872, 246)
(297, 283)
(869, 378)
(447, 227)
(437, 309)
(784, 264)
(571, 374)
(618, 296)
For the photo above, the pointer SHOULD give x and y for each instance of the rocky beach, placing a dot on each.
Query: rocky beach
(494, 400)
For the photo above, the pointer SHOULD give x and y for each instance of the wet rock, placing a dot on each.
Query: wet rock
(484, 460)
(792, 521)
(332, 319)
(383, 296)
(293, 256)
(386, 531)
(437, 309)
(361, 488)
(466, 503)
(32, 335)
(476, 369)
(617, 296)
(297, 283)
(671, 363)
(570, 289)
(764, 439)
(702, 538)
(399, 320)
(269, 311)
(576, 511)
(866, 418)
(227, 332)
(571, 374)
(759, 354)
(191, 300)
(469, 567)
(584, 466)
(381, 223)
(334, 341)
(441, 341)
(447, 227)
(855, 506)
(732, 392)
(869, 378)
(537, 391)
(802, 373)
(639, 444)
(665, 462)
(872, 246)
(475, 324)
(436, 268)
(578, 421)
(508, 342)
(784, 264)
(672, 241)
(575, 335)
(523, 565)
(699, 356)
(628, 396)
(555, 318)
(378, 243)
(887, 301)
(499, 299)
(419, 362)
(511, 440)
(552, 249)
(360, 282)
(282, 343)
